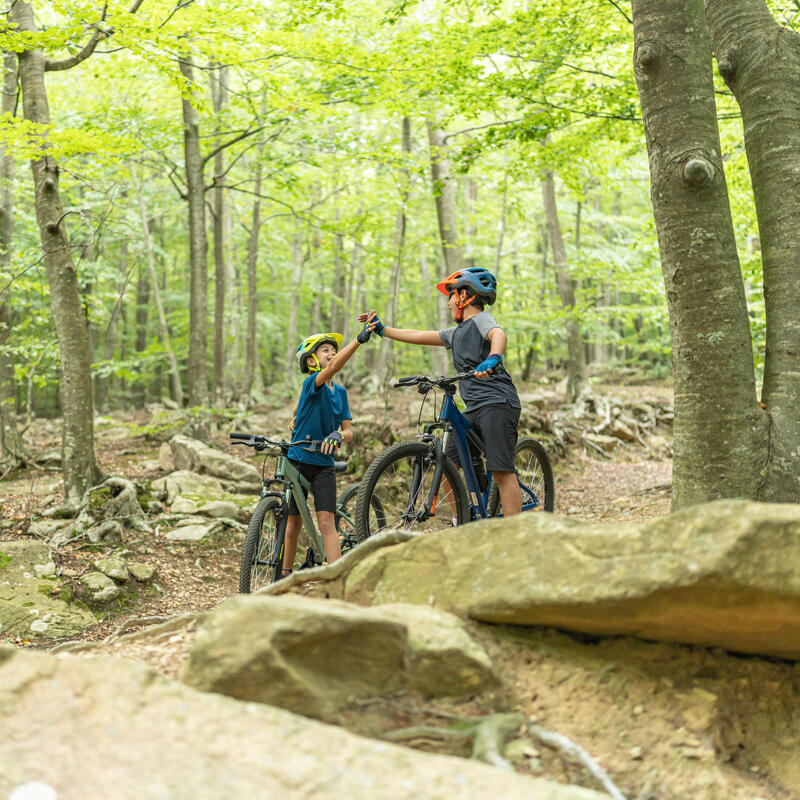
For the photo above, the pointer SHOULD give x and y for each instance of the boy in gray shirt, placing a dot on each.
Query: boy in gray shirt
(476, 343)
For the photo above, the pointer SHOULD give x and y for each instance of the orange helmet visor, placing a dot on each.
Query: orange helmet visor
(450, 280)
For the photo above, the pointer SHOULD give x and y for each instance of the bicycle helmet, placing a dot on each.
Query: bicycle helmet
(478, 280)
(308, 347)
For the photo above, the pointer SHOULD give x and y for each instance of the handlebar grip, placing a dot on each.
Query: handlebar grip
(245, 436)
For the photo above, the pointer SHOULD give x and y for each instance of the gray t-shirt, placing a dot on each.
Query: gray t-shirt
(469, 346)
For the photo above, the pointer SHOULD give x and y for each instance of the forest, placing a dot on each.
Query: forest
(211, 181)
(189, 188)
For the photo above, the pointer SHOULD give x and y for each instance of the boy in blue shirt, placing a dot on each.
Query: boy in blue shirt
(322, 409)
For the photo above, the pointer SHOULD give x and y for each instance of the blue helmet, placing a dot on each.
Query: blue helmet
(478, 280)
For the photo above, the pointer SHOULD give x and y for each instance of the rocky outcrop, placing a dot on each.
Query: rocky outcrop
(313, 656)
(32, 599)
(723, 573)
(193, 455)
(144, 736)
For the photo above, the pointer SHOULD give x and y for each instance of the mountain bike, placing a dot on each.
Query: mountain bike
(262, 552)
(418, 487)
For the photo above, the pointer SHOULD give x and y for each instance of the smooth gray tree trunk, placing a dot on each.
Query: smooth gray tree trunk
(197, 381)
(175, 376)
(760, 62)
(720, 441)
(11, 446)
(577, 381)
(254, 381)
(75, 389)
(292, 340)
(444, 194)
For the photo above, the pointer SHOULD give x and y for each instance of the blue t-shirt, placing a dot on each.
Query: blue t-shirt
(320, 411)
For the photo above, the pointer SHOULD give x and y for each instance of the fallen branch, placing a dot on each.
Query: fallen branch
(576, 753)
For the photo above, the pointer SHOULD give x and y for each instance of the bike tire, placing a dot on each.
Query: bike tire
(532, 463)
(387, 484)
(262, 551)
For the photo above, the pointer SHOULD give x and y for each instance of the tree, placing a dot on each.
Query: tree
(77, 442)
(726, 445)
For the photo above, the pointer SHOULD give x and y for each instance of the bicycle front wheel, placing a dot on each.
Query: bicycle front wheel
(345, 517)
(535, 476)
(262, 552)
(396, 487)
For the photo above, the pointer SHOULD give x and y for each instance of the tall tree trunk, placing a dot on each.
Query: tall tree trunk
(387, 349)
(10, 440)
(222, 261)
(577, 382)
(444, 193)
(760, 62)
(80, 464)
(142, 315)
(102, 382)
(175, 376)
(720, 433)
(198, 246)
(470, 221)
(297, 280)
(254, 381)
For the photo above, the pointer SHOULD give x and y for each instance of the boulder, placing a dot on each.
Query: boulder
(107, 506)
(196, 456)
(101, 588)
(191, 533)
(145, 736)
(719, 574)
(50, 528)
(165, 461)
(114, 567)
(313, 656)
(187, 484)
(143, 573)
(28, 601)
(183, 505)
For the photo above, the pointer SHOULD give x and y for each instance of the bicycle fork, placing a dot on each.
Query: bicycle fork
(429, 508)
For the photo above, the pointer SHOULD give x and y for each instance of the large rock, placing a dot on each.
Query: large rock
(196, 456)
(28, 605)
(723, 573)
(109, 505)
(188, 484)
(144, 736)
(313, 656)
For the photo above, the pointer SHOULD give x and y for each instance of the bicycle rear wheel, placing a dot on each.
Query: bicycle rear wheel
(262, 552)
(395, 488)
(345, 517)
(535, 476)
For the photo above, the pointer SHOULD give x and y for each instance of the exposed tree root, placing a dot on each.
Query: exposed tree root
(576, 753)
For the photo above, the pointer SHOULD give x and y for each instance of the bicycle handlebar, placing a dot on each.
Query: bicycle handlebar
(262, 442)
(423, 380)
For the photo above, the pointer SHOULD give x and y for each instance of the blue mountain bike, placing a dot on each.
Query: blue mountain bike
(419, 488)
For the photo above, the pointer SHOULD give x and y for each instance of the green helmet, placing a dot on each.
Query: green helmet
(309, 346)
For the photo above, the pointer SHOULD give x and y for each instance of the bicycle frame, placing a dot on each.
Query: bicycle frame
(451, 419)
(293, 484)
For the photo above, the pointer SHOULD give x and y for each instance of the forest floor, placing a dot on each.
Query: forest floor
(616, 697)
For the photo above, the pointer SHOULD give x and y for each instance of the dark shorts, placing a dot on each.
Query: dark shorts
(323, 486)
(497, 427)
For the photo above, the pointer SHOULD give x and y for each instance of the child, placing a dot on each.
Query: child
(321, 409)
(477, 343)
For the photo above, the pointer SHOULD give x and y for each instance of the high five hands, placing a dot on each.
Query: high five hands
(371, 322)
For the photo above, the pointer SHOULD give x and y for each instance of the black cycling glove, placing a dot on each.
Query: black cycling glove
(334, 438)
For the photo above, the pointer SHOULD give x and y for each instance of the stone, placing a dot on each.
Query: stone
(145, 736)
(190, 533)
(313, 656)
(101, 588)
(114, 567)
(718, 574)
(22, 605)
(109, 532)
(113, 500)
(47, 570)
(196, 456)
(219, 508)
(182, 505)
(143, 573)
(188, 484)
(165, 461)
(48, 528)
